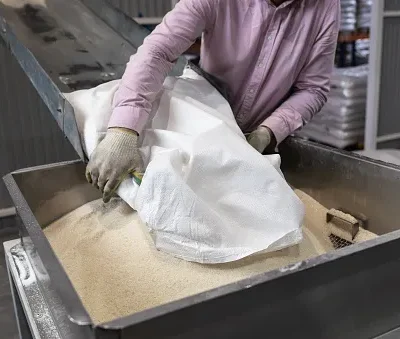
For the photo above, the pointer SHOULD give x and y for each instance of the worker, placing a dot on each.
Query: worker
(275, 57)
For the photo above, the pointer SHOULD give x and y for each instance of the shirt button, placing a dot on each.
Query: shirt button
(270, 37)
(251, 91)
(260, 65)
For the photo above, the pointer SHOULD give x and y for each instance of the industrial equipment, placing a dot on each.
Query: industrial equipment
(349, 293)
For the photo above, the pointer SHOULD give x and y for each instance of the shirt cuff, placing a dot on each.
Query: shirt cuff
(278, 126)
(128, 117)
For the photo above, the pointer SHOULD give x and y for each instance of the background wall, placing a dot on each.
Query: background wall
(389, 100)
(383, 104)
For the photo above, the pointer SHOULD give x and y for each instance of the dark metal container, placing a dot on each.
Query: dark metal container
(349, 293)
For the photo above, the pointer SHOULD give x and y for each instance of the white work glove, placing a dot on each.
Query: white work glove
(114, 159)
(262, 139)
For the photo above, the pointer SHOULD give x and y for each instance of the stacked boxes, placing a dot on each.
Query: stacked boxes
(341, 122)
(348, 15)
(364, 14)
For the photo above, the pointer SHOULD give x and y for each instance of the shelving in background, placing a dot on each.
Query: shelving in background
(353, 42)
(341, 122)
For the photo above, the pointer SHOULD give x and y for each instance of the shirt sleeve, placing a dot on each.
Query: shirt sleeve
(313, 84)
(148, 68)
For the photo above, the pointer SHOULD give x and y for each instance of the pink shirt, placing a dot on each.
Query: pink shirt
(276, 61)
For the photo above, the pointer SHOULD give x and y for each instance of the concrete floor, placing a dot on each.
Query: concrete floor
(7, 319)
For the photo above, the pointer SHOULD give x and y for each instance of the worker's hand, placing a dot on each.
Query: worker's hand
(113, 160)
(262, 139)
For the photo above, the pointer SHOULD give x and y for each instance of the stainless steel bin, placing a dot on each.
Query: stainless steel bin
(349, 293)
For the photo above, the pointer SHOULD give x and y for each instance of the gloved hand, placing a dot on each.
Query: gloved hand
(113, 160)
(262, 139)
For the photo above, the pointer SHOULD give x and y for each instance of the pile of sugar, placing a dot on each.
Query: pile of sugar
(116, 270)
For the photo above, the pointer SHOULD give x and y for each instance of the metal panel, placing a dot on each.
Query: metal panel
(389, 101)
(146, 8)
(344, 181)
(28, 134)
(395, 334)
(391, 5)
